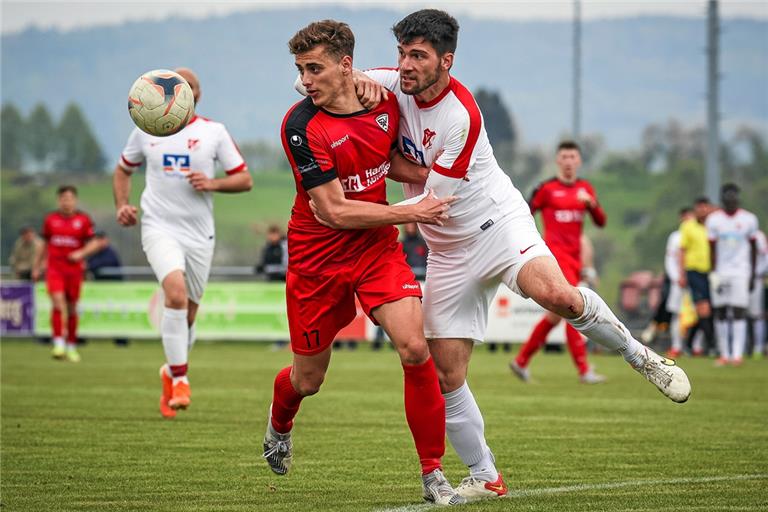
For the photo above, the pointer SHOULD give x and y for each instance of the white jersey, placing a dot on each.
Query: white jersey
(672, 257)
(452, 123)
(732, 234)
(169, 203)
(762, 254)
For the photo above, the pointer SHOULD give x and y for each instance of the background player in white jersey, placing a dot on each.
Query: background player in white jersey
(757, 300)
(675, 296)
(490, 238)
(177, 231)
(732, 231)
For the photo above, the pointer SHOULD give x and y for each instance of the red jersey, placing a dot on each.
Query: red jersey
(65, 234)
(563, 215)
(353, 148)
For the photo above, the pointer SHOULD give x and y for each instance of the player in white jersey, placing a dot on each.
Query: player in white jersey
(732, 233)
(757, 303)
(177, 231)
(491, 238)
(675, 297)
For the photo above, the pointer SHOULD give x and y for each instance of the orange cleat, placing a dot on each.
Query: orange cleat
(180, 398)
(673, 353)
(165, 397)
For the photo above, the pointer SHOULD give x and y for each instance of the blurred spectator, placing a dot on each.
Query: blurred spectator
(274, 256)
(415, 249)
(105, 265)
(25, 250)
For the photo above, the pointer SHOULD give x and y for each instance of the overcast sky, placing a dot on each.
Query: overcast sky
(20, 14)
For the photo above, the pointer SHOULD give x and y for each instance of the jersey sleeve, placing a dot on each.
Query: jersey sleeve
(228, 154)
(598, 214)
(308, 155)
(88, 228)
(46, 231)
(538, 198)
(460, 142)
(388, 77)
(133, 153)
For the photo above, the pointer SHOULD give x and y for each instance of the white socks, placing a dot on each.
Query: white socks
(674, 332)
(739, 328)
(598, 323)
(723, 337)
(466, 432)
(59, 343)
(175, 334)
(759, 335)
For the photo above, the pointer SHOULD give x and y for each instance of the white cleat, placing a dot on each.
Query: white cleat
(665, 375)
(437, 490)
(592, 378)
(521, 373)
(278, 450)
(474, 489)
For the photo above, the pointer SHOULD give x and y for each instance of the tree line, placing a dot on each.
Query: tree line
(39, 144)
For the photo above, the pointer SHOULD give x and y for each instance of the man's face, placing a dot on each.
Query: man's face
(28, 235)
(730, 200)
(273, 237)
(192, 80)
(420, 66)
(701, 210)
(323, 75)
(568, 163)
(67, 203)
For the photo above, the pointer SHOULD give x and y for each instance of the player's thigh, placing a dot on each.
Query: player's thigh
(163, 252)
(197, 270)
(542, 280)
(73, 284)
(698, 283)
(318, 307)
(402, 321)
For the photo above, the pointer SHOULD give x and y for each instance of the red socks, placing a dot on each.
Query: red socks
(425, 412)
(72, 328)
(578, 348)
(56, 323)
(179, 370)
(535, 342)
(285, 402)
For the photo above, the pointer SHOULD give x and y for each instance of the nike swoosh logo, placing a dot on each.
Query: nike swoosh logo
(498, 489)
(523, 251)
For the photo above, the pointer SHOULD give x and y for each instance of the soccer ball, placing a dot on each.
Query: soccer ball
(161, 102)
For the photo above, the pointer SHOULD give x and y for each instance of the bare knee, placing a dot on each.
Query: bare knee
(307, 383)
(563, 300)
(412, 351)
(176, 298)
(451, 377)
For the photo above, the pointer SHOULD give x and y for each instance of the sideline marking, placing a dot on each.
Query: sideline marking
(592, 487)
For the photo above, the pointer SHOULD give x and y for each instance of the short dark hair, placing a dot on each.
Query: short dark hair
(730, 188)
(336, 36)
(701, 200)
(568, 144)
(438, 28)
(66, 188)
(26, 229)
(685, 211)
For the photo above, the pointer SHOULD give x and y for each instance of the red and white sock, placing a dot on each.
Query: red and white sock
(425, 413)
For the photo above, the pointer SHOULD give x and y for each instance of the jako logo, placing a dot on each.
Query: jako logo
(407, 286)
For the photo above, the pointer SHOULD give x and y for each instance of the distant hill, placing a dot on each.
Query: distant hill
(636, 71)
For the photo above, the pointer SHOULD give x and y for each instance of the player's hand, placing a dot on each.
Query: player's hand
(35, 275)
(127, 215)
(369, 92)
(201, 182)
(75, 256)
(433, 209)
(585, 197)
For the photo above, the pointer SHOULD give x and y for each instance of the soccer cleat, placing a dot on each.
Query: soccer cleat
(72, 355)
(437, 490)
(521, 373)
(58, 352)
(167, 393)
(278, 450)
(722, 361)
(180, 396)
(673, 353)
(664, 373)
(737, 361)
(474, 489)
(592, 378)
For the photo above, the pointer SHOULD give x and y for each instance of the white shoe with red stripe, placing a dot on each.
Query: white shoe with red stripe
(474, 489)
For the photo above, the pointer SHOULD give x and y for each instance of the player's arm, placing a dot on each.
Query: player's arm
(239, 181)
(126, 214)
(589, 198)
(403, 170)
(332, 208)
(91, 247)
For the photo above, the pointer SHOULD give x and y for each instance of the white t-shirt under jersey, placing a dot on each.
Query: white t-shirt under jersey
(452, 123)
(732, 233)
(169, 203)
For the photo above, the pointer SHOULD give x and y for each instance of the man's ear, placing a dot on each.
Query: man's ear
(446, 61)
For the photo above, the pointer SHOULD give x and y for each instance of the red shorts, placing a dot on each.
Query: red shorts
(68, 281)
(571, 268)
(320, 306)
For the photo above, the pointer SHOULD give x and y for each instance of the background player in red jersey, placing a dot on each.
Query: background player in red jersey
(340, 156)
(68, 233)
(563, 201)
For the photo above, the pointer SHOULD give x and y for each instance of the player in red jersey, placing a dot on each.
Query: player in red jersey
(69, 240)
(340, 156)
(563, 201)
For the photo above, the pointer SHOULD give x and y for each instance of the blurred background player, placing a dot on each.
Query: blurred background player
(341, 245)
(674, 299)
(274, 255)
(69, 240)
(25, 251)
(177, 229)
(563, 201)
(732, 234)
(757, 297)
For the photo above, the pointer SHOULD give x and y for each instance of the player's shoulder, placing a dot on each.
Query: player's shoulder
(463, 103)
(299, 115)
(204, 123)
(548, 183)
(50, 215)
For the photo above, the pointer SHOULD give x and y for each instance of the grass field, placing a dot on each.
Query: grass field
(88, 436)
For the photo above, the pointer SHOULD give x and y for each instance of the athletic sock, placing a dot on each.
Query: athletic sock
(175, 333)
(58, 342)
(578, 348)
(723, 336)
(56, 323)
(425, 413)
(739, 327)
(535, 342)
(72, 328)
(466, 432)
(759, 336)
(285, 402)
(598, 323)
(674, 331)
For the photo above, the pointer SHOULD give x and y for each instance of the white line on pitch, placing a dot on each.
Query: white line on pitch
(595, 487)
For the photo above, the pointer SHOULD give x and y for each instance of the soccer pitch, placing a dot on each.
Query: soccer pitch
(89, 437)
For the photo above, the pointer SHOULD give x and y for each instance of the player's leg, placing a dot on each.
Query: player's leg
(192, 308)
(577, 346)
(722, 329)
(72, 285)
(54, 282)
(700, 293)
(673, 306)
(198, 268)
(739, 335)
(536, 340)
(541, 279)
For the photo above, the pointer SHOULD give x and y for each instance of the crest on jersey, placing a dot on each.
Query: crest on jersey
(426, 141)
(193, 143)
(383, 121)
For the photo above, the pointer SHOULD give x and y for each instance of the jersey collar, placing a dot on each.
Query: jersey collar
(434, 101)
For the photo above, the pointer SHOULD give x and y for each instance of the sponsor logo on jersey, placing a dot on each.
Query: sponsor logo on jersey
(412, 153)
(311, 166)
(339, 142)
(569, 216)
(64, 241)
(177, 163)
(193, 144)
(408, 286)
(383, 121)
(77, 223)
(358, 182)
(426, 141)
(296, 140)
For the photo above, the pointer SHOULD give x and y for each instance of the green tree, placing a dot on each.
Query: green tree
(11, 138)
(78, 151)
(498, 120)
(40, 136)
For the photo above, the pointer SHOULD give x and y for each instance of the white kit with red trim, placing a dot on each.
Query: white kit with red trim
(452, 123)
(169, 203)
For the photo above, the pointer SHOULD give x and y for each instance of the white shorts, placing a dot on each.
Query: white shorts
(730, 291)
(756, 300)
(165, 254)
(462, 282)
(675, 298)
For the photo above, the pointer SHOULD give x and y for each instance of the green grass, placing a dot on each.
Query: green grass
(88, 436)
